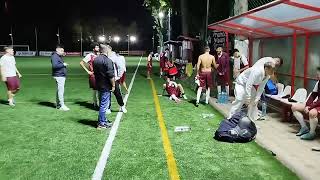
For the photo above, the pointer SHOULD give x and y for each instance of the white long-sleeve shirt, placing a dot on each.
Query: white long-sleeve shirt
(264, 60)
(253, 76)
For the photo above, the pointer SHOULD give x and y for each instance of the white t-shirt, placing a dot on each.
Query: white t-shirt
(8, 65)
(88, 57)
(122, 63)
(237, 62)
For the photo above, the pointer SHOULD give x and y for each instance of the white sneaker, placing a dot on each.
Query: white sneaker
(123, 109)
(11, 103)
(184, 97)
(64, 108)
(108, 111)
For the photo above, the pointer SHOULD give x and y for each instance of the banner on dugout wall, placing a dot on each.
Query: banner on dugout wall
(45, 53)
(25, 53)
(73, 53)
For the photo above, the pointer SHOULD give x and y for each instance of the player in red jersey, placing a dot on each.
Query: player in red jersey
(92, 82)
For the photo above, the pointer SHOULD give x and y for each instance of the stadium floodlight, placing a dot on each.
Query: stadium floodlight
(102, 38)
(133, 38)
(116, 39)
(161, 15)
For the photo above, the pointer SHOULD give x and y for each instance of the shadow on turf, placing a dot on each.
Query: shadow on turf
(47, 104)
(3, 102)
(88, 123)
(86, 105)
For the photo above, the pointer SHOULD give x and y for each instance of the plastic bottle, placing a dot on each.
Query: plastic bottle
(182, 129)
(219, 97)
(264, 109)
(224, 97)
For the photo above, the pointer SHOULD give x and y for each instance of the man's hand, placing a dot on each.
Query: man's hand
(90, 73)
(19, 75)
(113, 88)
(65, 64)
(255, 102)
(4, 79)
(306, 110)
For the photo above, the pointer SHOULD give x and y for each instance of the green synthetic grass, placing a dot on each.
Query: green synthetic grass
(39, 142)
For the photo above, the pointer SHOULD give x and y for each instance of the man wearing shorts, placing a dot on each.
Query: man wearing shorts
(312, 109)
(9, 74)
(174, 90)
(223, 70)
(92, 82)
(204, 73)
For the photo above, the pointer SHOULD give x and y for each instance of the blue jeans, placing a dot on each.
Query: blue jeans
(105, 97)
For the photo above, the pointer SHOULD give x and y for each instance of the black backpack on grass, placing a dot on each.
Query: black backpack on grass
(238, 129)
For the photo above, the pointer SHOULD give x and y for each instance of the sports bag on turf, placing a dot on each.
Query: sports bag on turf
(238, 129)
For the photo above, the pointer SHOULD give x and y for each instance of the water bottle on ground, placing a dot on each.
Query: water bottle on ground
(264, 109)
(223, 98)
(219, 97)
(182, 129)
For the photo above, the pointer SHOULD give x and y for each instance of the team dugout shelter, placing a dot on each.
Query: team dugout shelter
(286, 28)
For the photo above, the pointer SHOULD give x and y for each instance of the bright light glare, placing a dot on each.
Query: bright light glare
(161, 15)
(133, 38)
(102, 38)
(116, 39)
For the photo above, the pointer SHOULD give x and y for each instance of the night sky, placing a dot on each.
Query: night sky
(48, 15)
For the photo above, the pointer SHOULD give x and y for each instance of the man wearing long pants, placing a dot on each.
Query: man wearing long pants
(59, 73)
(118, 71)
(105, 83)
(249, 88)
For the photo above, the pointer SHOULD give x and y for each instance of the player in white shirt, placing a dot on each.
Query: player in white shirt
(123, 70)
(276, 61)
(249, 87)
(240, 63)
(9, 74)
(118, 72)
(92, 82)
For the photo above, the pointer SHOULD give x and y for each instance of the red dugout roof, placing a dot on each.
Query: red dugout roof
(276, 19)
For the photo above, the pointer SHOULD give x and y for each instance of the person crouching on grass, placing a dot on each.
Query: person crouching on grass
(174, 90)
(9, 74)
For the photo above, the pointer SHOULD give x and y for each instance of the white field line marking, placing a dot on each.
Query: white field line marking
(98, 172)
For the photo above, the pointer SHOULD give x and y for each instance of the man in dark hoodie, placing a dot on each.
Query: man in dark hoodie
(59, 73)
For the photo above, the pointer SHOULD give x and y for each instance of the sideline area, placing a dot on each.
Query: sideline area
(279, 138)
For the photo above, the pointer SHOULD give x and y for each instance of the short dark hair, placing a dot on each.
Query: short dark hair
(103, 48)
(93, 45)
(59, 46)
(281, 60)
(206, 48)
(235, 50)
(167, 49)
(7, 47)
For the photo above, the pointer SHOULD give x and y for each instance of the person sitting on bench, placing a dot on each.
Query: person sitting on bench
(312, 109)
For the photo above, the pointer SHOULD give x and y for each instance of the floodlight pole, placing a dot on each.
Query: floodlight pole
(36, 36)
(81, 41)
(128, 44)
(58, 36)
(207, 19)
(11, 35)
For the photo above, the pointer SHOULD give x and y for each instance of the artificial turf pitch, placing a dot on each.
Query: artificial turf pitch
(39, 142)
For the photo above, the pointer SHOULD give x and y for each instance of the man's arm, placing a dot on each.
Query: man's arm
(2, 74)
(82, 64)
(250, 83)
(110, 73)
(245, 63)
(215, 65)
(260, 89)
(19, 74)
(198, 65)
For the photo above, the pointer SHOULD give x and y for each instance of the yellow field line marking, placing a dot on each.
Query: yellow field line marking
(171, 162)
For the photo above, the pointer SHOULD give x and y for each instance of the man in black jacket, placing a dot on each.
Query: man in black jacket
(105, 83)
(59, 73)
